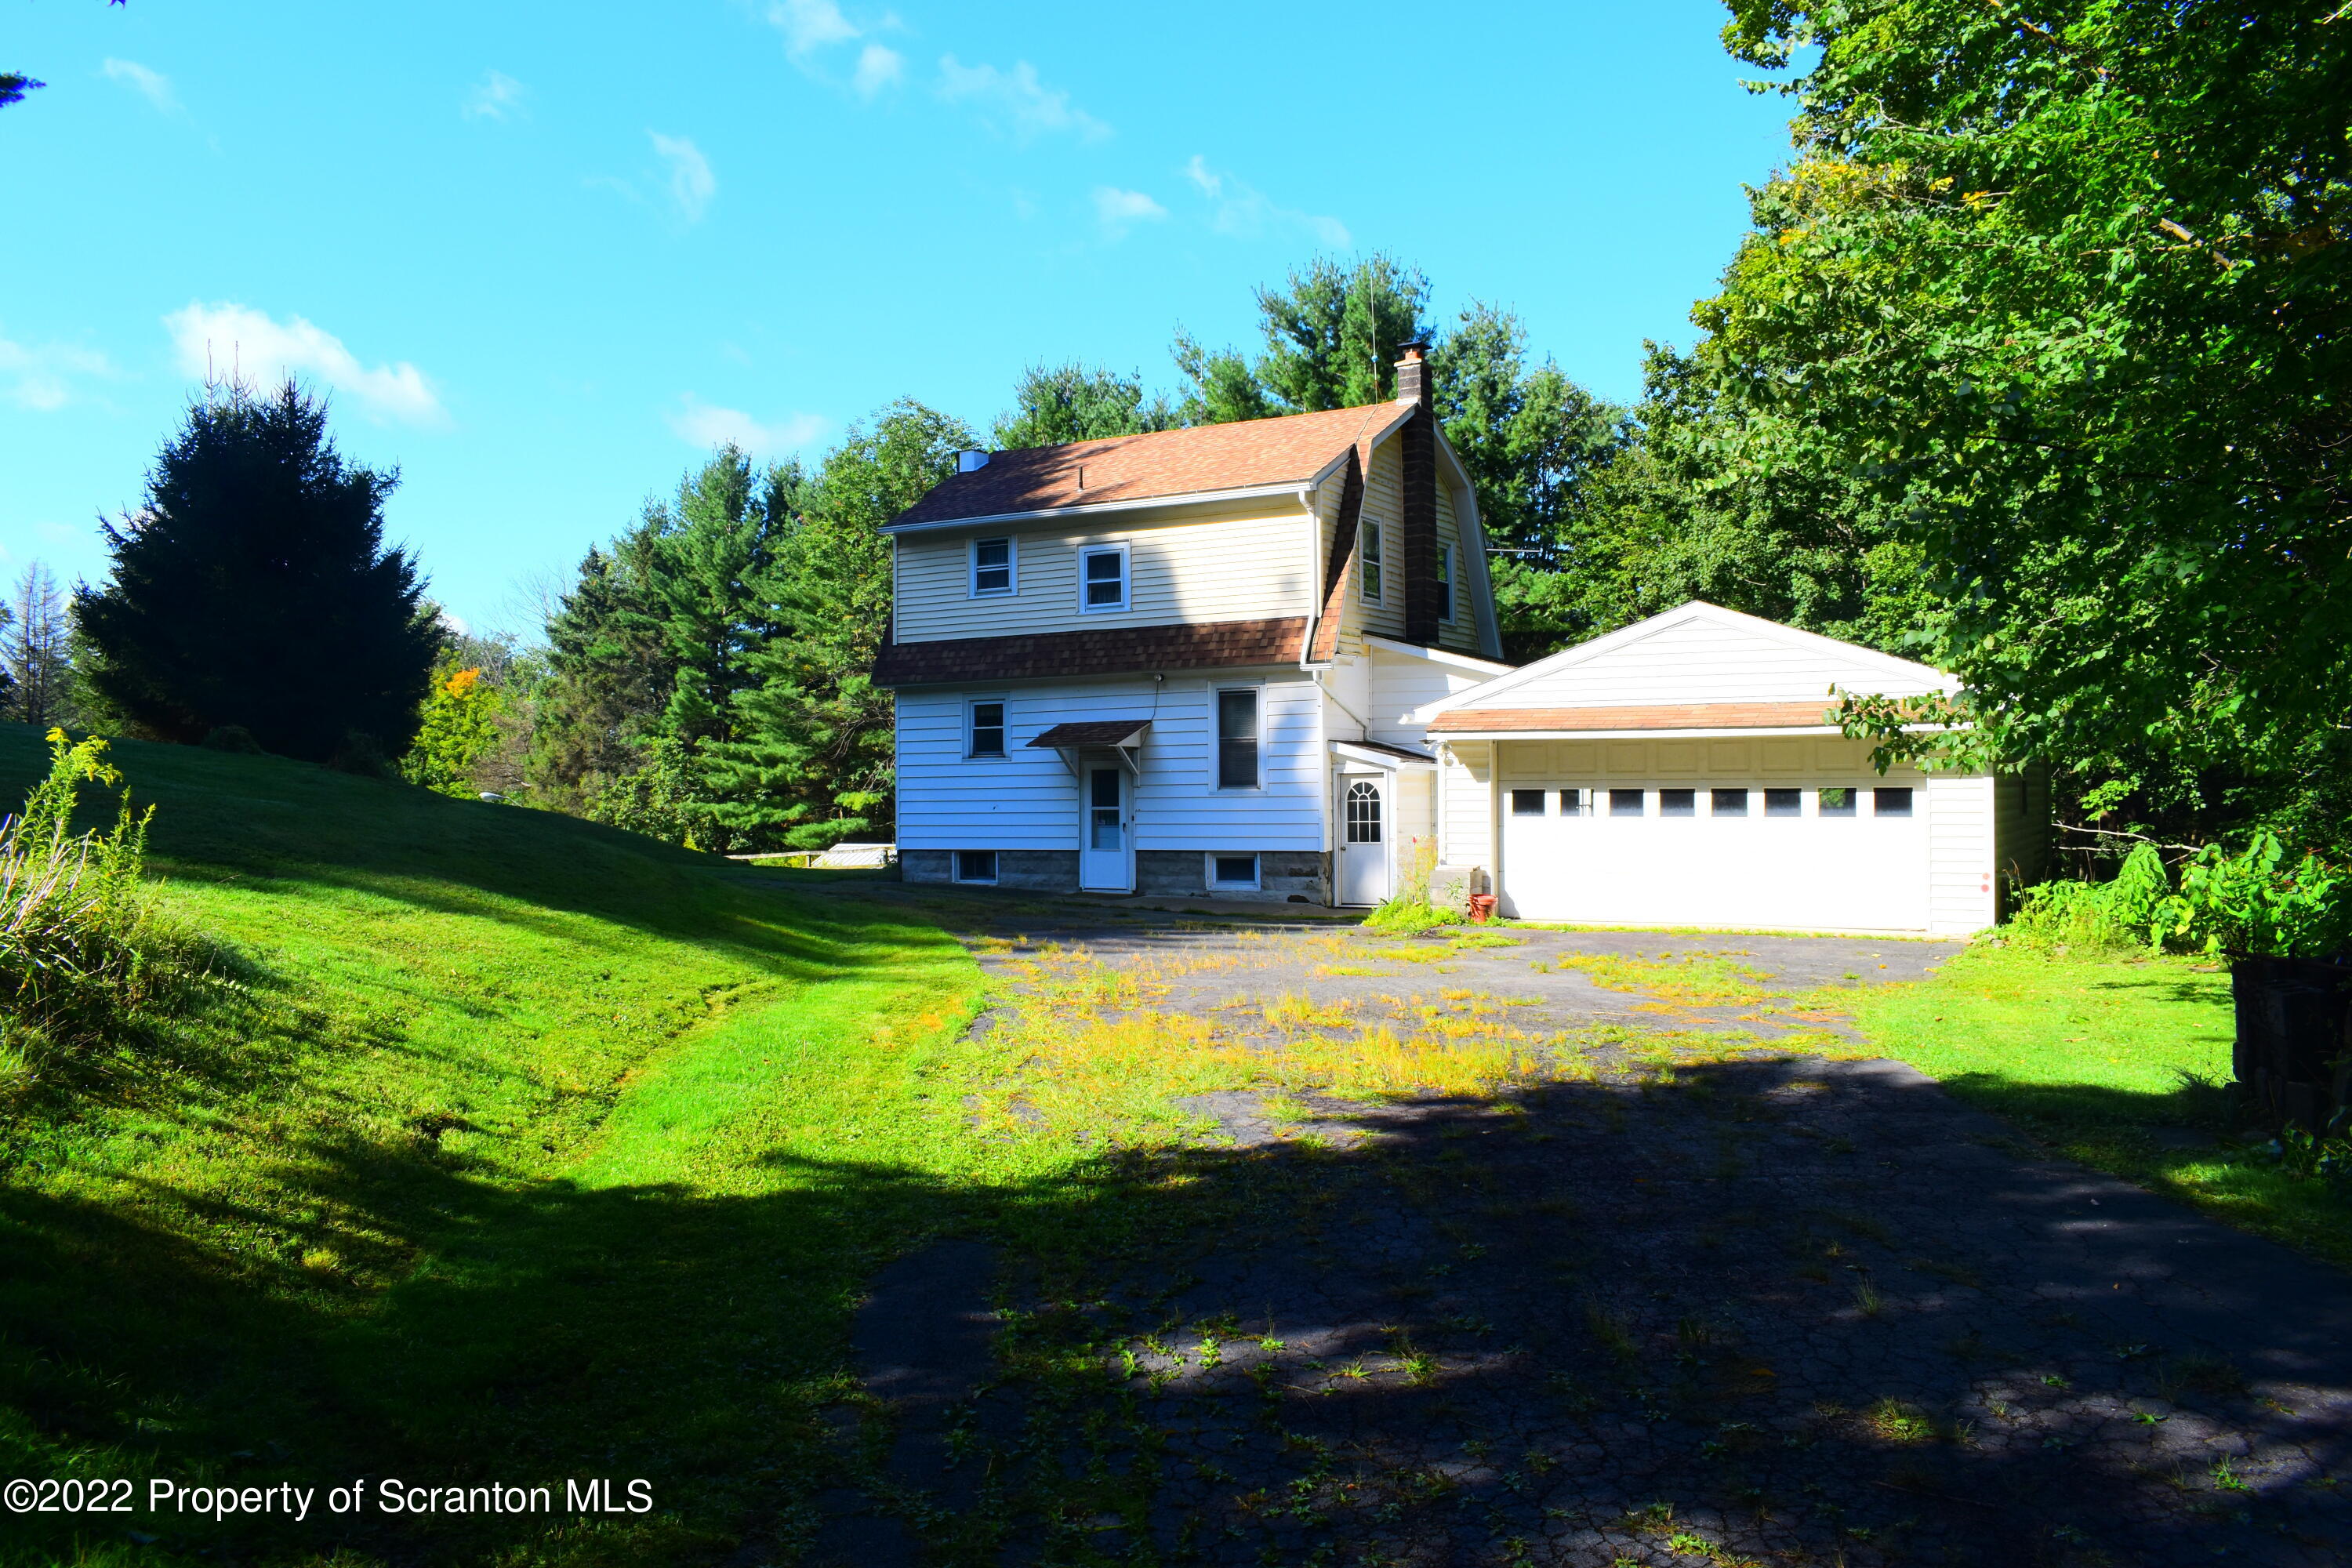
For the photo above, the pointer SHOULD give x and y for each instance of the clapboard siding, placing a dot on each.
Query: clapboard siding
(1705, 660)
(2021, 824)
(1027, 800)
(1960, 811)
(1251, 567)
(1465, 804)
(1460, 633)
(1383, 504)
(1401, 683)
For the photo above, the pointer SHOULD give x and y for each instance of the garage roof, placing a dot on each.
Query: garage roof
(1665, 716)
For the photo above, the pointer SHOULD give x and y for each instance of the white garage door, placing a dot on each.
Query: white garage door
(1850, 857)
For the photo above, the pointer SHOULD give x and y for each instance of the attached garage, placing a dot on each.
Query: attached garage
(1683, 771)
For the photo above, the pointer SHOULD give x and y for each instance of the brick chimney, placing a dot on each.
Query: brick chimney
(1418, 446)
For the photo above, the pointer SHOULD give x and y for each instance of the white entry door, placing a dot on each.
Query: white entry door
(1363, 841)
(1106, 850)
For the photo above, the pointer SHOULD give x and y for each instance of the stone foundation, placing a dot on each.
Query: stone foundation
(1035, 870)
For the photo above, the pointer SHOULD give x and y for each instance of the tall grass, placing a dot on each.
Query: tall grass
(79, 949)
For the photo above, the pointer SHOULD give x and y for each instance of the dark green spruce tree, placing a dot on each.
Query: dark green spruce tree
(254, 588)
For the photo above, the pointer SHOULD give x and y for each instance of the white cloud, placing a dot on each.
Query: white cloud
(497, 96)
(700, 423)
(36, 377)
(217, 340)
(1246, 212)
(877, 67)
(692, 183)
(809, 25)
(151, 85)
(1015, 101)
(1119, 211)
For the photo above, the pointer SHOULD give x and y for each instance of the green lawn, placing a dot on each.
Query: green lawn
(2115, 1059)
(518, 1149)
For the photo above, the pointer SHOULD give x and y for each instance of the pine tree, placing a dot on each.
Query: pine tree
(37, 650)
(254, 589)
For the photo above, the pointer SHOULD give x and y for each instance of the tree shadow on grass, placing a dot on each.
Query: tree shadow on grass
(1773, 1306)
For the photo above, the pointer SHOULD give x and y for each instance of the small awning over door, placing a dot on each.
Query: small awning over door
(1122, 737)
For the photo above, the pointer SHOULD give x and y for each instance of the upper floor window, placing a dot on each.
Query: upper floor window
(1102, 577)
(993, 567)
(987, 730)
(1446, 582)
(1237, 739)
(1372, 562)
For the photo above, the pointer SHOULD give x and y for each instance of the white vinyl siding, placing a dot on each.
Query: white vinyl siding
(1460, 633)
(1245, 568)
(1961, 890)
(1384, 501)
(1466, 806)
(1029, 801)
(1399, 684)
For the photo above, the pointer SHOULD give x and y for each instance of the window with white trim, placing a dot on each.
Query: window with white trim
(975, 865)
(994, 568)
(1445, 583)
(1371, 561)
(1895, 801)
(1237, 738)
(1102, 577)
(1232, 870)
(984, 728)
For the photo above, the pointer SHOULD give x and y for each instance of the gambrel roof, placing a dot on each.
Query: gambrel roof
(1205, 459)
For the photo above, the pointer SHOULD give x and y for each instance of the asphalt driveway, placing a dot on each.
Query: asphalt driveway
(1775, 1308)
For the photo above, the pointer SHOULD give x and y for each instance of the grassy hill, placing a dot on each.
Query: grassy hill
(507, 1148)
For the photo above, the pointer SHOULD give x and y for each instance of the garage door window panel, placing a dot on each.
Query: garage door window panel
(1894, 802)
(1784, 802)
(1624, 803)
(1838, 802)
(1575, 803)
(1678, 803)
(1728, 802)
(1527, 803)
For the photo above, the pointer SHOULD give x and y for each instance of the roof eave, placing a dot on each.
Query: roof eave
(1097, 509)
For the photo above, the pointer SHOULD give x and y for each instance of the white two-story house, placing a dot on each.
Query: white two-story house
(1184, 663)
(1259, 660)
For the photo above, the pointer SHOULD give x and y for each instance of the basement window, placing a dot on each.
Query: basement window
(1784, 802)
(1895, 801)
(1678, 803)
(1527, 803)
(975, 866)
(1727, 801)
(1232, 870)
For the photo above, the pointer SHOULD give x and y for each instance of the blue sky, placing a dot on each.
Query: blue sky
(544, 257)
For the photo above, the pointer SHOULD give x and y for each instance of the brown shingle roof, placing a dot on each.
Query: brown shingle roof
(1092, 733)
(1112, 650)
(1667, 716)
(1291, 449)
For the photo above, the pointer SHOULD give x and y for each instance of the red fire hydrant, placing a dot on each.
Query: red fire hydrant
(1481, 906)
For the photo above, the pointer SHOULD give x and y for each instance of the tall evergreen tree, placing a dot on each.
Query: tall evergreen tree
(254, 588)
(36, 649)
(811, 763)
(1332, 337)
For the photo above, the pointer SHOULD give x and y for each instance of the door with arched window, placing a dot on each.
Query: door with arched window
(1363, 837)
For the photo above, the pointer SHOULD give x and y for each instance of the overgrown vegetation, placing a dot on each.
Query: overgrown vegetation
(2257, 902)
(82, 956)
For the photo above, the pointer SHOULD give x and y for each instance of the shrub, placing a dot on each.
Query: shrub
(75, 932)
(2124, 912)
(2256, 904)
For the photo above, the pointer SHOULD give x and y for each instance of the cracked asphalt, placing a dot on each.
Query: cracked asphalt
(1792, 1311)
